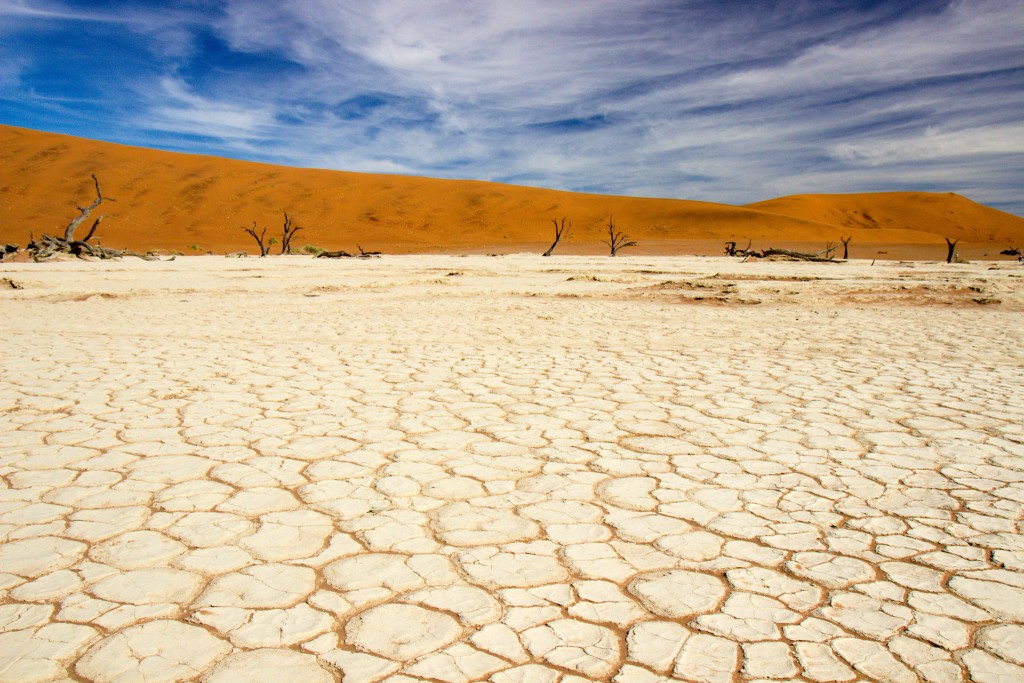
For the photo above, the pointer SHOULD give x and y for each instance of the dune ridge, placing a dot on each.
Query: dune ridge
(192, 203)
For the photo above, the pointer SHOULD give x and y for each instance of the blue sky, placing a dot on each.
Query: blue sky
(724, 101)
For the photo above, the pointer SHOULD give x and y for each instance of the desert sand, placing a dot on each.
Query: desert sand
(441, 468)
(197, 204)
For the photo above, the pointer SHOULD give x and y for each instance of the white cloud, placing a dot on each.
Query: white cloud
(971, 36)
(25, 9)
(692, 98)
(934, 145)
(180, 111)
(720, 108)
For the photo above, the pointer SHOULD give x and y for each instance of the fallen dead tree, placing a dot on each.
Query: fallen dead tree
(821, 257)
(731, 250)
(49, 246)
(797, 255)
(344, 254)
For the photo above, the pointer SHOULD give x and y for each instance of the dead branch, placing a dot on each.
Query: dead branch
(367, 254)
(289, 232)
(148, 256)
(1012, 251)
(830, 248)
(560, 232)
(731, 250)
(264, 248)
(69, 231)
(92, 230)
(333, 254)
(617, 240)
(846, 247)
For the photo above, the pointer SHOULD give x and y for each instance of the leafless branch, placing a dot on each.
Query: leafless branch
(69, 231)
(289, 232)
(264, 248)
(617, 240)
(560, 232)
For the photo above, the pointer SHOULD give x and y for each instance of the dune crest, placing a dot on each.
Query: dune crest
(194, 203)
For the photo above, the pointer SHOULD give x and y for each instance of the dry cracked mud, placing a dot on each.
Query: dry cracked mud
(511, 469)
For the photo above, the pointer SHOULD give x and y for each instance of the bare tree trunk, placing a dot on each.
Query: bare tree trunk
(289, 233)
(617, 240)
(952, 249)
(846, 247)
(69, 231)
(264, 248)
(560, 232)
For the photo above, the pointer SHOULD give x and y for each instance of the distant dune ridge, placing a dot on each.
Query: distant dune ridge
(173, 201)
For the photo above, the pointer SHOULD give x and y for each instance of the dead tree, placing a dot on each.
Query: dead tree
(830, 248)
(367, 254)
(8, 249)
(952, 249)
(1012, 251)
(846, 247)
(264, 248)
(49, 245)
(560, 232)
(333, 254)
(617, 240)
(289, 232)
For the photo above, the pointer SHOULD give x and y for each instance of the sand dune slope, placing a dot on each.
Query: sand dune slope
(948, 215)
(178, 201)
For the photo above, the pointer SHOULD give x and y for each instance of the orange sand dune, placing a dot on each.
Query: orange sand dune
(192, 203)
(947, 215)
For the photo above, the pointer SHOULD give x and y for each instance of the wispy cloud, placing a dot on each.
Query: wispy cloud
(176, 110)
(699, 99)
(46, 11)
